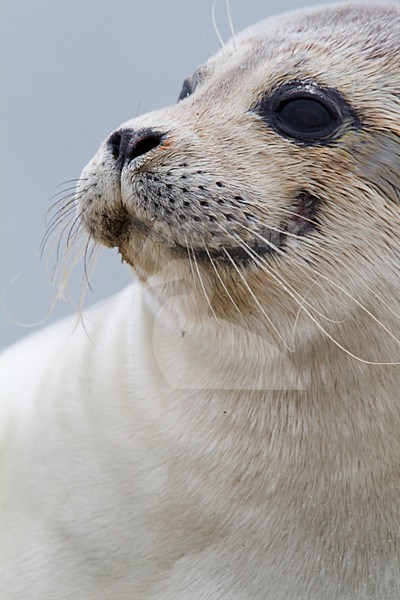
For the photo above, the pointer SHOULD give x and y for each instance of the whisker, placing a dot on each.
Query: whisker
(259, 236)
(75, 224)
(67, 201)
(335, 259)
(85, 285)
(353, 272)
(68, 206)
(303, 301)
(364, 308)
(76, 180)
(70, 189)
(7, 313)
(364, 361)
(67, 251)
(73, 195)
(53, 228)
(293, 213)
(61, 235)
(215, 25)
(63, 271)
(345, 350)
(63, 238)
(228, 10)
(85, 262)
(60, 216)
(314, 282)
(256, 299)
(203, 287)
(192, 260)
(221, 281)
(56, 218)
(277, 230)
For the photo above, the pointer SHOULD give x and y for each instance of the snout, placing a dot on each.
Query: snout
(126, 145)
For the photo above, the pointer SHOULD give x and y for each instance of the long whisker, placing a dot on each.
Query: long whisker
(68, 251)
(67, 201)
(267, 242)
(70, 189)
(221, 281)
(63, 271)
(364, 308)
(215, 25)
(345, 350)
(85, 262)
(76, 181)
(335, 259)
(282, 280)
(54, 227)
(74, 192)
(203, 286)
(228, 10)
(283, 283)
(329, 336)
(60, 215)
(61, 236)
(192, 271)
(292, 213)
(89, 268)
(66, 209)
(329, 280)
(74, 227)
(301, 303)
(276, 230)
(256, 299)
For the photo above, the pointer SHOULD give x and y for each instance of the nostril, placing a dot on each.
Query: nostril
(144, 145)
(127, 144)
(114, 143)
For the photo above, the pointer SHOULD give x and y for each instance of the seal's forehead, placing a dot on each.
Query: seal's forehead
(333, 42)
(335, 20)
(371, 27)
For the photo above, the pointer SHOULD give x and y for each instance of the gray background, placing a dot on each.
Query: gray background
(73, 70)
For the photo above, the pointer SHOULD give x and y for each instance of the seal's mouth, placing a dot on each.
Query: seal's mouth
(118, 229)
(245, 252)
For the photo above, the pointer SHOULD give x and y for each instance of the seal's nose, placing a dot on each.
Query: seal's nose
(128, 144)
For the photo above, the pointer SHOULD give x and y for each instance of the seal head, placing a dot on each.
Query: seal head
(275, 173)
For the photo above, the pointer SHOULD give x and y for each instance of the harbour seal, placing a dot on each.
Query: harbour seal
(229, 427)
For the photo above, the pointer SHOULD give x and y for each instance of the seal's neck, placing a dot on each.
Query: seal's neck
(216, 354)
(319, 392)
(300, 431)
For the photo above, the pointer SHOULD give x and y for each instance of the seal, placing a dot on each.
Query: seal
(229, 427)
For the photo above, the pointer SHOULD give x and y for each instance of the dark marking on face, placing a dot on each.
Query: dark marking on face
(307, 114)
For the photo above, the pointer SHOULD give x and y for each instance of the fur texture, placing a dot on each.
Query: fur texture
(230, 429)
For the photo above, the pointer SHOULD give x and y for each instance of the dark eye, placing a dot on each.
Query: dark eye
(305, 118)
(187, 89)
(306, 113)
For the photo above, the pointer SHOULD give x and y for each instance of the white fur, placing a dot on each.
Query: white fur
(178, 453)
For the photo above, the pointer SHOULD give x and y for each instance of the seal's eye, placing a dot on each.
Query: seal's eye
(307, 113)
(187, 89)
(305, 118)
